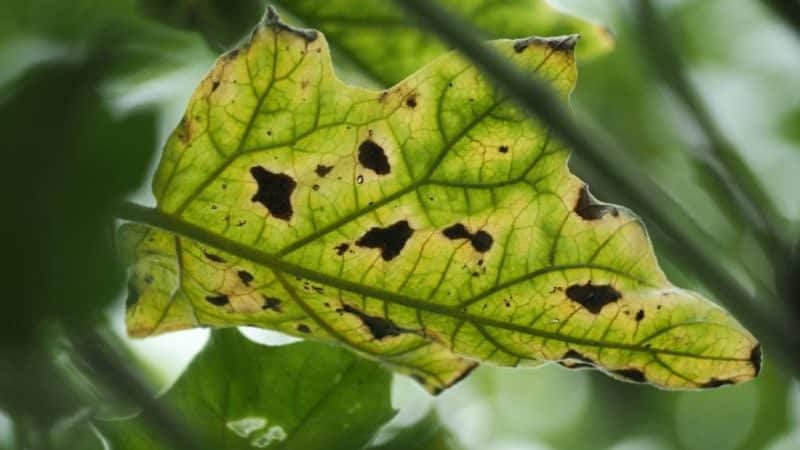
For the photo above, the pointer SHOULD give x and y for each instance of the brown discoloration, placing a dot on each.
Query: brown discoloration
(756, 359)
(379, 327)
(590, 209)
(245, 276)
(481, 240)
(274, 192)
(715, 383)
(556, 43)
(272, 303)
(342, 248)
(213, 257)
(633, 375)
(592, 297)
(411, 101)
(218, 300)
(271, 18)
(373, 157)
(574, 360)
(322, 170)
(389, 240)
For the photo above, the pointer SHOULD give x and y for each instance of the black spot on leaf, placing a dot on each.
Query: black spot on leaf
(213, 257)
(575, 360)
(322, 170)
(411, 102)
(378, 327)
(272, 303)
(592, 297)
(342, 248)
(557, 43)
(640, 315)
(503, 149)
(217, 300)
(372, 156)
(214, 85)
(755, 358)
(133, 296)
(274, 192)
(715, 383)
(588, 207)
(481, 241)
(389, 240)
(634, 375)
(303, 328)
(245, 276)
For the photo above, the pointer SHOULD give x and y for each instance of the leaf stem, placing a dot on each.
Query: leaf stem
(98, 352)
(536, 98)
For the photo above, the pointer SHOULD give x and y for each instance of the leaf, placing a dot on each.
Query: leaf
(243, 395)
(412, 225)
(359, 30)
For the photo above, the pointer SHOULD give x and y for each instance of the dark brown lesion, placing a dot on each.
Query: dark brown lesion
(271, 18)
(274, 192)
(390, 240)
(593, 297)
(755, 359)
(557, 43)
(481, 240)
(303, 328)
(373, 157)
(715, 383)
(575, 360)
(632, 375)
(272, 304)
(218, 300)
(379, 327)
(588, 208)
(640, 315)
(245, 277)
(322, 170)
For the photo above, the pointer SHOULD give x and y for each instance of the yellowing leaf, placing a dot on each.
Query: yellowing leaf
(430, 226)
(359, 30)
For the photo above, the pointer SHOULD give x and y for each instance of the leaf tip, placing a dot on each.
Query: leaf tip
(273, 19)
(565, 43)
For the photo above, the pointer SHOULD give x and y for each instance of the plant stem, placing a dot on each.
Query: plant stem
(95, 349)
(745, 194)
(535, 97)
(788, 10)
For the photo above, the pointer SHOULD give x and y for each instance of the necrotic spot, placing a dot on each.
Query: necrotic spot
(640, 315)
(274, 192)
(378, 327)
(589, 209)
(481, 241)
(715, 383)
(592, 297)
(503, 149)
(271, 303)
(372, 156)
(245, 276)
(389, 240)
(133, 296)
(634, 375)
(303, 328)
(341, 248)
(217, 300)
(411, 102)
(322, 170)
(213, 257)
(755, 358)
(575, 360)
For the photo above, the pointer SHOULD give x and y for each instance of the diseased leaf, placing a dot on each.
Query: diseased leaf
(430, 226)
(241, 395)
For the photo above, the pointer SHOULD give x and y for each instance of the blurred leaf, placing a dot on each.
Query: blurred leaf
(790, 127)
(427, 433)
(241, 395)
(420, 225)
(359, 29)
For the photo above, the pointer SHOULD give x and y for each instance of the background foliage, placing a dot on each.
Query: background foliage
(90, 88)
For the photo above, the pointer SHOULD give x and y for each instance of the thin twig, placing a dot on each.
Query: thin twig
(536, 97)
(788, 10)
(746, 196)
(99, 354)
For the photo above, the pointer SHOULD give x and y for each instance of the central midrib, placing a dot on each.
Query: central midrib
(172, 224)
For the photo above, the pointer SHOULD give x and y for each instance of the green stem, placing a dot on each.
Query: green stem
(745, 196)
(535, 97)
(94, 348)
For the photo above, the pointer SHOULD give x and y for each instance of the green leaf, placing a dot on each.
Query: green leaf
(241, 395)
(430, 226)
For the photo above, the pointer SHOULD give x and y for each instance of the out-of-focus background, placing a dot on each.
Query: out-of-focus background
(111, 74)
